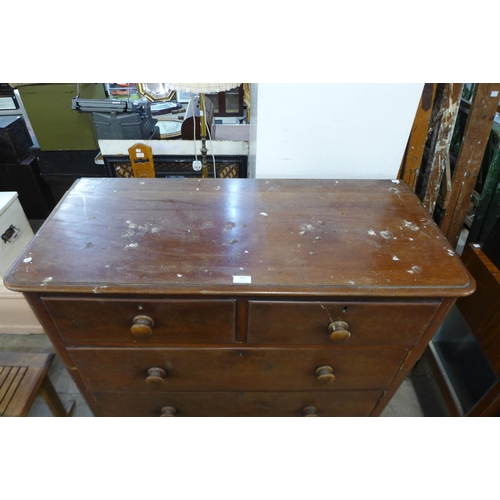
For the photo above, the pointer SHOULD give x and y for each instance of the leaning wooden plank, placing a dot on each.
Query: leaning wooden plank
(440, 147)
(418, 136)
(470, 157)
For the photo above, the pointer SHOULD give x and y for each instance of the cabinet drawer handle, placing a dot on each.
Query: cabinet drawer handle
(325, 374)
(156, 376)
(168, 411)
(339, 331)
(310, 411)
(142, 326)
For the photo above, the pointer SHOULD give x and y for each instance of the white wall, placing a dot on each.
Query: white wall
(349, 131)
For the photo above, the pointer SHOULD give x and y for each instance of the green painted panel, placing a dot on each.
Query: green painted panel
(58, 127)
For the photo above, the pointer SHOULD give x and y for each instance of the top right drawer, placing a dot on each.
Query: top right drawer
(346, 323)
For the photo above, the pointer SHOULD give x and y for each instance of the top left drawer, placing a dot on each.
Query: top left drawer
(148, 321)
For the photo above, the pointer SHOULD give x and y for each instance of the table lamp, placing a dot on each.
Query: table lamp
(202, 89)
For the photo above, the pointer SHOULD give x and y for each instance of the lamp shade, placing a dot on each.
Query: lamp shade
(204, 88)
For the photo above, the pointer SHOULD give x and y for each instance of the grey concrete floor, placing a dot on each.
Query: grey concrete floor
(418, 396)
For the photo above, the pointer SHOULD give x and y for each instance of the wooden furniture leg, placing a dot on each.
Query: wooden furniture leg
(54, 401)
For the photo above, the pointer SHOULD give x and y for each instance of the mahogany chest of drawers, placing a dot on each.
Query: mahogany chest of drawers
(239, 297)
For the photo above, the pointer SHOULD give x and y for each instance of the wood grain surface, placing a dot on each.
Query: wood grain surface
(184, 236)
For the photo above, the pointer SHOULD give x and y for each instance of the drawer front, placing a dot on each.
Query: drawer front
(295, 323)
(242, 369)
(300, 404)
(232, 404)
(181, 404)
(109, 321)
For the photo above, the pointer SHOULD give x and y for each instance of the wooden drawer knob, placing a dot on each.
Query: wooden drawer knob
(156, 376)
(310, 411)
(168, 411)
(339, 331)
(325, 374)
(142, 326)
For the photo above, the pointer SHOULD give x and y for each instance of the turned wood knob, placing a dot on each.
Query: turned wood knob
(142, 326)
(156, 376)
(168, 411)
(325, 374)
(338, 331)
(310, 411)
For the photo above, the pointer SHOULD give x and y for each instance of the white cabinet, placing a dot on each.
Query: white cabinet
(16, 315)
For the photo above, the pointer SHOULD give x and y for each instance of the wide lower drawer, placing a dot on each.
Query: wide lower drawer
(249, 404)
(175, 404)
(168, 321)
(236, 369)
(353, 323)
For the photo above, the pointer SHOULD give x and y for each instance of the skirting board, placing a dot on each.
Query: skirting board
(16, 315)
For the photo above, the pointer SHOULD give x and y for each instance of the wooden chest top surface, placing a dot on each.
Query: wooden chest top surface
(241, 236)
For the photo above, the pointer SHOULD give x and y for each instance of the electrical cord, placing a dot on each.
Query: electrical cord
(194, 135)
(209, 135)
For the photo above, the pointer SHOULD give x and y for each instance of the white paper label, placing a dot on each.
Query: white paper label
(242, 279)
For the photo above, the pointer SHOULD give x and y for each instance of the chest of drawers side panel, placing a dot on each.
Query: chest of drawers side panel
(36, 303)
(414, 355)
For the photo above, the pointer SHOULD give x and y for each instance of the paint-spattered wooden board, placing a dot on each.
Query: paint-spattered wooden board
(470, 157)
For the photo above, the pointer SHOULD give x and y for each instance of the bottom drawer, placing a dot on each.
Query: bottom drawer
(299, 404)
(232, 404)
(185, 404)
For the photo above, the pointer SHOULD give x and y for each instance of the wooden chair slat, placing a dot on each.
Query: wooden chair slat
(11, 393)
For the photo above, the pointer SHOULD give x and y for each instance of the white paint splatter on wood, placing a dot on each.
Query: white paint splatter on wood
(410, 225)
(415, 270)
(306, 228)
